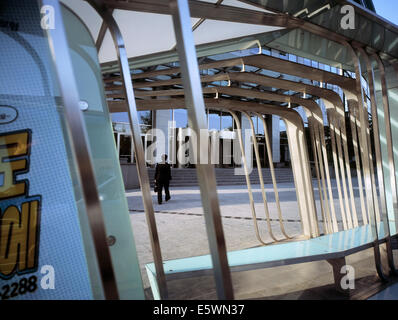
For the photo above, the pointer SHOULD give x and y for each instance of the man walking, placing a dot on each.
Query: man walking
(162, 178)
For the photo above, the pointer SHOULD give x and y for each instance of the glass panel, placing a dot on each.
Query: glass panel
(106, 163)
(51, 203)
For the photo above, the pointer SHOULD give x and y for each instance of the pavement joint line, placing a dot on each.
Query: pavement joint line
(224, 217)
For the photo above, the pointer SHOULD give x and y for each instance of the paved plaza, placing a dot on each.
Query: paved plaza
(182, 233)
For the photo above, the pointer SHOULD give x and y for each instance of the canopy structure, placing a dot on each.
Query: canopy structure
(224, 26)
(333, 87)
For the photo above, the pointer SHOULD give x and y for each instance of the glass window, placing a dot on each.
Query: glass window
(145, 118)
(181, 118)
(226, 121)
(125, 149)
(214, 120)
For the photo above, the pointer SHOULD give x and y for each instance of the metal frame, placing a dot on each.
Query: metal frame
(80, 148)
(387, 121)
(353, 90)
(260, 174)
(332, 101)
(271, 165)
(366, 161)
(136, 137)
(301, 170)
(248, 183)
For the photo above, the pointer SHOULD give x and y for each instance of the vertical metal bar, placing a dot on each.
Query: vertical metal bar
(379, 161)
(365, 148)
(336, 168)
(197, 121)
(390, 152)
(246, 170)
(332, 221)
(80, 148)
(352, 115)
(272, 169)
(387, 122)
(136, 136)
(260, 174)
(343, 174)
(348, 169)
(315, 143)
(320, 144)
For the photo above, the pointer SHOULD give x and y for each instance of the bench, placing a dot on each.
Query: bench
(332, 247)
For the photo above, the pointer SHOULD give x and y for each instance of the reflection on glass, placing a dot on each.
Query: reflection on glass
(145, 119)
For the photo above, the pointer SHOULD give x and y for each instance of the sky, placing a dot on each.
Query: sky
(388, 9)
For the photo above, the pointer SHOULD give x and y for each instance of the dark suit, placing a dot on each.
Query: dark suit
(163, 177)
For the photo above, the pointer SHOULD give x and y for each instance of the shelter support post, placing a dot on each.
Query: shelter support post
(136, 135)
(197, 121)
(81, 150)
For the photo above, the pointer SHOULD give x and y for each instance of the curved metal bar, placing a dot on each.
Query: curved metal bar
(335, 106)
(81, 152)
(343, 133)
(313, 126)
(379, 163)
(355, 143)
(293, 122)
(352, 221)
(387, 122)
(249, 188)
(260, 174)
(278, 65)
(301, 171)
(321, 147)
(139, 150)
(197, 121)
(272, 169)
(365, 149)
(313, 138)
(337, 172)
(264, 62)
(308, 104)
(316, 121)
